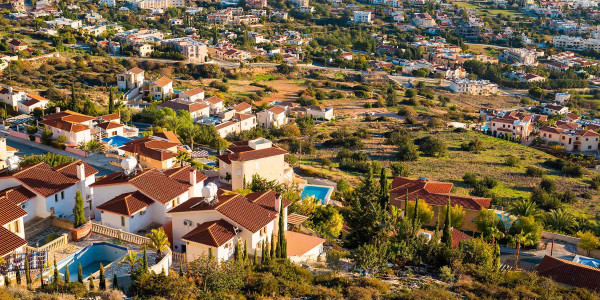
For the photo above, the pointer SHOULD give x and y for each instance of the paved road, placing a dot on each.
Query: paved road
(101, 163)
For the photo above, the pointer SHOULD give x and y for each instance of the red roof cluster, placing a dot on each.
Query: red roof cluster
(126, 204)
(434, 193)
(213, 233)
(240, 151)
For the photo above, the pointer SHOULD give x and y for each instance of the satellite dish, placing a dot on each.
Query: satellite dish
(209, 192)
(129, 165)
(13, 163)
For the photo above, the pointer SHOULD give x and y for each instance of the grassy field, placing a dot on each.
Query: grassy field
(485, 10)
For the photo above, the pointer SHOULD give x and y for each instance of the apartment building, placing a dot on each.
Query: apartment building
(192, 50)
(423, 20)
(575, 43)
(363, 17)
(520, 55)
(130, 79)
(473, 87)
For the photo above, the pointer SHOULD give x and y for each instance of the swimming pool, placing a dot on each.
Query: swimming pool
(90, 258)
(587, 261)
(322, 193)
(116, 141)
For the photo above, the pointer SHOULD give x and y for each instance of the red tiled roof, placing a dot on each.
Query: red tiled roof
(241, 107)
(70, 169)
(37, 97)
(182, 174)
(246, 153)
(299, 244)
(152, 182)
(110, 125)
(434, 193)
(551, 129)
(213, 233)
(163, 81)
(214, 100)
(10, 203)
(587, 133)
(458, 236)
(268, 200)
(126, 204)
(44, 180)
(65, 126)
(110, 117)
(570, 273)
(135, 70)
(238, 208)
(168, 135)
(10, 241)
(180, 104)
(277, 110)
(192, 92)
(156, 149)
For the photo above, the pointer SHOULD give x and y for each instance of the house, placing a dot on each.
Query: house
(161, 88)
(5, 153)
(473, 87)
(31, 103)
(511, 126)
(48, 191)
(197, 110)
(153, 151)
(273, 117)
(16, 46)
(569, 273)
(74, 126)
(215, 103)
(320, 112)
(551, 109)
(12, 230)
(562, 98)
(242, 108)
(12, 97)
(134, 201)
(572, 140)
(221, 219)
(237, 124)
(115, 118)
(437, 194)
(192, 95)
(143, 50)
(423, 20)
(108, 129)
(242, 160)
(130, 79)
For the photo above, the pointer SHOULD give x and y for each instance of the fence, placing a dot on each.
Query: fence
(52, 246)
(179, 257)
(18, 134)
(119, 234)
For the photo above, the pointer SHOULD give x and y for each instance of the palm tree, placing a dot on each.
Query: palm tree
(525, 208)
(518, 240)
(190, 133)
(182, 157)
(159, 242)
(494, 234)
(560, 220)
(131, 259)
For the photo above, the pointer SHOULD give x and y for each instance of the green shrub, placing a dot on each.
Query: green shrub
(533, 171)
(511, 161)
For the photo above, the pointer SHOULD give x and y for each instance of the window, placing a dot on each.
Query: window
(143, 212)
(56, 198)
(590, 147)
(62, 195)
(122, 221)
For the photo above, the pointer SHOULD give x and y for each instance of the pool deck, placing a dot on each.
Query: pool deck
(121, 269)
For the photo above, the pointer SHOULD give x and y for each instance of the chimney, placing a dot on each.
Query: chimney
(278, 203)
(80, 171)
(57, 110)
(193, 177)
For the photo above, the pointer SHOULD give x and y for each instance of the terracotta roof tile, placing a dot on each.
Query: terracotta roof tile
(570, 273)
(10, 203)
(10, 241)
(70, 169)
(180, 104)
(434, 193)
(193, 92)
(242, 107)
(268, 200)
(213, 233)
(126, 204)
(110, 125)
(299, 244)
(251, 154)
(110, 117)
(135, 70)
(238, 208)
(182, 174)
(44, 180)
(214, 100)
(163, 81)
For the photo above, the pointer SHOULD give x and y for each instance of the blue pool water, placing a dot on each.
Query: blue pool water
(90, 258)
(116, 141)
(587, 261)
(319, 192)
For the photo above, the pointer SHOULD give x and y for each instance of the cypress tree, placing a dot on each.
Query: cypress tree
(497, 257)
(383, 189)
(6, 281)
(255, 258)
(67, 275)
(210, 253)
(79, 273)
(145, 261)
(92, 287)
(245, 251)
(102, 283)
(73, 104)
(272, 252)
(79, 211)
(27, 270)
(56, 276)
(281, 242)
(18, 275)
(239, 256)
(110, 102)
(180, 268)
(415, 214)
(447, 234)
(115, 285)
